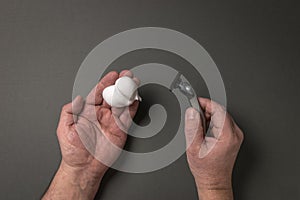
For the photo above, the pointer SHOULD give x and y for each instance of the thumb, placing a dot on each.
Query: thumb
(193, 130)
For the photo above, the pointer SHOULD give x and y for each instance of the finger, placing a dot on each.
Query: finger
(105, 104)
(130, 74)
(117, 111)
(207, 146)
(220, 121)
(70, 110)
(103, 116)
(208, 106)
(126, 73)
(193, 130)
(95, 96)
(123, 116)
(137, 81)
(128, 114)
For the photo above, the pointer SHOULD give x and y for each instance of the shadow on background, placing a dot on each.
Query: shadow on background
(107, 177)
(244, 167)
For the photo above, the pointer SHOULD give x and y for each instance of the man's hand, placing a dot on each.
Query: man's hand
(211, 158)
(93, 124)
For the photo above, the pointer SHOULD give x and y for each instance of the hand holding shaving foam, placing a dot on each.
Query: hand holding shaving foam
(91, 139)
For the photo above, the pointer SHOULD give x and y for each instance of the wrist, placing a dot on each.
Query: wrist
(216, 179)
(73, 183)
(215, 194)
(81, 175)
(214, 189)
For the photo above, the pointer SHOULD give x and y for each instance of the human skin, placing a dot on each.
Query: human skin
(211, 159)
(80, 173)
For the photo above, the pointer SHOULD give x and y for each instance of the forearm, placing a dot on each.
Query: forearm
(67, 184)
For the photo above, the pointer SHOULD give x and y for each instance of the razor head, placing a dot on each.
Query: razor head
(184, 86)
(175, 84)
(187, 90)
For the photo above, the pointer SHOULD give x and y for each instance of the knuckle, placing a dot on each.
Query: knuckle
(57, 132)
(241, 136)
(238, 139)
(239, 133)
(64, 107)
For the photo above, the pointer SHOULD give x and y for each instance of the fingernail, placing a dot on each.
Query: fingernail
(191, 113)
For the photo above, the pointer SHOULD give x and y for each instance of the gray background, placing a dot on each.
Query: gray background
(255, 44)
